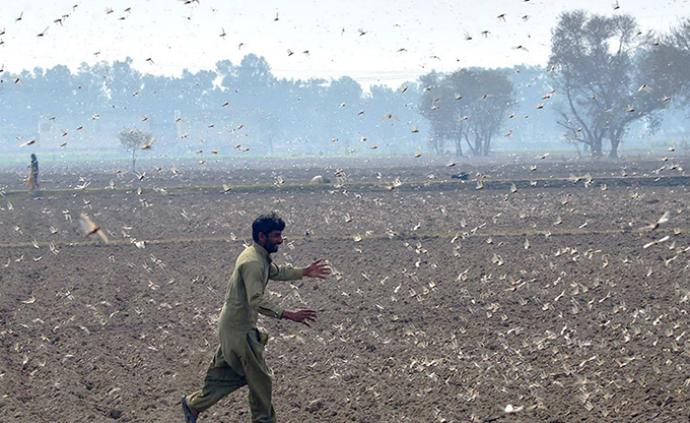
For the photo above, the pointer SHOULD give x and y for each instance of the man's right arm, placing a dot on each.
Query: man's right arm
(303, 316)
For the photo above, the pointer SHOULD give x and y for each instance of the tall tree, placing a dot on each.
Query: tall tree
(665, 67)
(443, 121)
(468, 105)
(593, 63)
(492, 97)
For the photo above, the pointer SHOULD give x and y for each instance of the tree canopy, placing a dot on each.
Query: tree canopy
(467, 105)
(595, 64)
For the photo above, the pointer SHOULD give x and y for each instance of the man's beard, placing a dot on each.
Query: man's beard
(271, 248)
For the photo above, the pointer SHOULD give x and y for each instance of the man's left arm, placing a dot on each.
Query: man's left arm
(284, 273)
(317, 269)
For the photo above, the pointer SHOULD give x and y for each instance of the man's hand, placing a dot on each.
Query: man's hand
(318, 269)
(303, 316)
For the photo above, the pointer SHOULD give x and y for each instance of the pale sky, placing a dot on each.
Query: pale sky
(177, 35)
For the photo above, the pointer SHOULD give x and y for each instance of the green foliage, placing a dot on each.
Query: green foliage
(133, 140)
(602, 67)
(468, 105)
(667, 65)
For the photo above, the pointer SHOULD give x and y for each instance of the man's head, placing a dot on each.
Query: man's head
(267, 231)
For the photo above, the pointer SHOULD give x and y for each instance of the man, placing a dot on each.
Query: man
(239, 359)
(33, 174)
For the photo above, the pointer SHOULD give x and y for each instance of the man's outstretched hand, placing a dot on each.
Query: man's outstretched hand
(318, 269)
(303, 316)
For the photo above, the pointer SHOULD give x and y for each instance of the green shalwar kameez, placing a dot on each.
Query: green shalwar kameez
(239, 359)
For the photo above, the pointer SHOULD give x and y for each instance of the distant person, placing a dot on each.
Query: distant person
(239, 359)
(33, 174)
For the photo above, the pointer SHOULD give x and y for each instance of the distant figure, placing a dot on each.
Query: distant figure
(33, 174)
(239, 359)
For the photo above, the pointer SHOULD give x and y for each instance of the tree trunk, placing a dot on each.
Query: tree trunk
(613, 154)
(577, 149)
(469, 144)
(458, 147)
(134, 160)
(596, 148)
(615, 138)
(486, 146)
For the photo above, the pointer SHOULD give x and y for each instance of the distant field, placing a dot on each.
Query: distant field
(117, 158)
(447, 303)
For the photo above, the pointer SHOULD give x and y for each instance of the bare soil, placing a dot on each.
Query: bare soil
(448, 303)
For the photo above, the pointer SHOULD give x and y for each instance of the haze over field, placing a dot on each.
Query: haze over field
(211, 80)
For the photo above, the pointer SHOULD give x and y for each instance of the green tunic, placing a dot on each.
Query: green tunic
(245, 295)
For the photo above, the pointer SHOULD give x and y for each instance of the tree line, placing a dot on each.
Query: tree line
(603, 79)
(604, 75)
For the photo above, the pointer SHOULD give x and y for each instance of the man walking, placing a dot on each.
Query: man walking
(33, 174)
(239, 359)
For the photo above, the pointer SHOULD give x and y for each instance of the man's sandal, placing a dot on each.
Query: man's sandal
(188, 414)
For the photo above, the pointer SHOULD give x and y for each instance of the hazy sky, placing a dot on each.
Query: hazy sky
(176, 35)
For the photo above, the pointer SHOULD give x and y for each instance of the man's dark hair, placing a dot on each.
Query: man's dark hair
(267, 223)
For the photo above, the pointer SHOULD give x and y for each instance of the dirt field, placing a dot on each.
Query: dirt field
(523, 294)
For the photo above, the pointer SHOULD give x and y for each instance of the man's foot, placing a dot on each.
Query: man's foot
(190, 415)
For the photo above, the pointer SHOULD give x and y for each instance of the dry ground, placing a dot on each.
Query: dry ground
(448, 303)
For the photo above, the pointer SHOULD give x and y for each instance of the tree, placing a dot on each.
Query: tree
(595, 62)
(493, 96)
(133, 140)
(665, 67)
(680, 39)
(442, 120)
(469, 105)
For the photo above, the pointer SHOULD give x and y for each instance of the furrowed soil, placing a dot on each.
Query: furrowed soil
(549, 294)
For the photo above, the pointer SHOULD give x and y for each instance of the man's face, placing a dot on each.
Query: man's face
(271, 241)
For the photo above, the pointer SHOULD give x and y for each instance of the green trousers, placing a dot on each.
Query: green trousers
(239, 361)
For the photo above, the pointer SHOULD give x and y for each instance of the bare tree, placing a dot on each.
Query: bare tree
(594, 63)
(135, 139)
(468, 105)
